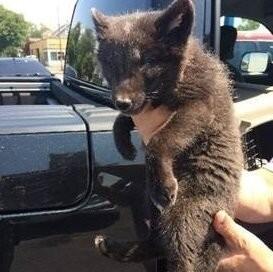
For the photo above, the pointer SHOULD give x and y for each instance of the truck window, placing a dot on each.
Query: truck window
(251, 37)
(81, 60)
(254, 44)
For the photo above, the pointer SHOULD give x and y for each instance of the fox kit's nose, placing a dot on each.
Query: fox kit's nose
(123, 104)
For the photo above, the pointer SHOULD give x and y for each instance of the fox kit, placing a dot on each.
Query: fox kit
(194, 162)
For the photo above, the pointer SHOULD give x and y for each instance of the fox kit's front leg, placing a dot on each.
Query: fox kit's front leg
(122, 134)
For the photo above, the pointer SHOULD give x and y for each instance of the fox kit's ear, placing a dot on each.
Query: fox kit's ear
(175, 24)
(101, 23)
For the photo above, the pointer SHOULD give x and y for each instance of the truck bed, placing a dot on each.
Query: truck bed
(39, 92)
(26, 93)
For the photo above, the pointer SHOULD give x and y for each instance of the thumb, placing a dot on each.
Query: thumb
(243, 243)
(236, 237)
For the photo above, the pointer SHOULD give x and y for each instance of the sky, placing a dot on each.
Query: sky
(42, 11)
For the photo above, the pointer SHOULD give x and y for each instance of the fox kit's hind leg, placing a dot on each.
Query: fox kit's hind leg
(162, 183)
(173, 139)
(127, 251)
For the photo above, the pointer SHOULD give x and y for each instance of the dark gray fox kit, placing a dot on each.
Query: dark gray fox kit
(194, 162)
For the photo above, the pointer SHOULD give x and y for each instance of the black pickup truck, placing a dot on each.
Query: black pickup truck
(61, 179)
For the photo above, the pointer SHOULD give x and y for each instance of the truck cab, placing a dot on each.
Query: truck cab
(63, 182)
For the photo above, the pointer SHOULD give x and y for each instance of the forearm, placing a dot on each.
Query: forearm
(268, 263)
(256, 197)
(262, 256)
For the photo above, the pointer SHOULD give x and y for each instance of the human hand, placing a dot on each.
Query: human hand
(150, 120)
(247, 253)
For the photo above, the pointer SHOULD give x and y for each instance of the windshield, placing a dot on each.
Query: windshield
(81, 55)
(21, 67)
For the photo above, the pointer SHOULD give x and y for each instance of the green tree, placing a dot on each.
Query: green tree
(37, 32)
(10, 51)
(248, 25)
(81, 53)
(13, 31)
(71, 51)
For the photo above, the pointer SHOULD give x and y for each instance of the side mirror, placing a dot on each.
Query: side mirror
(255, 62)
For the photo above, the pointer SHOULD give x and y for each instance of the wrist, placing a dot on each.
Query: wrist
(260, 254)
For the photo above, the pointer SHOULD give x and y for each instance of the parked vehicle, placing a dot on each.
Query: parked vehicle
(32, 57)
(263, 41)
(252, 41)
(25, 81)
(22, 67)
(62, 180)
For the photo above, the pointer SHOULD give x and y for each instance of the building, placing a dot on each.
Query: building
(50, 50)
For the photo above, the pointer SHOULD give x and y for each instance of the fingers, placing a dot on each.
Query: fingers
(247, 252)
(236, 237)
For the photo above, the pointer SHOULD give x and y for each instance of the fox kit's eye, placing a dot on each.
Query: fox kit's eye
(149, 60)
(136, 54)
(153, 72)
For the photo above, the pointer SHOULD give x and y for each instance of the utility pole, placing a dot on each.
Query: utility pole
(59, 36)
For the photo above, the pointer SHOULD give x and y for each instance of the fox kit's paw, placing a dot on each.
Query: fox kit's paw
(163, 195)
(120, 251)
(122, 135)
(128, 152)
(108, 248)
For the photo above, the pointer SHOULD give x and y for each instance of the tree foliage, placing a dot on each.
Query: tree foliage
(13, 31)
(37, 31)
(81, 54)
(248, 25)
(10, 51)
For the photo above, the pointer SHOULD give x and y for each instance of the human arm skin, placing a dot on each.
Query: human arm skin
(256, 197)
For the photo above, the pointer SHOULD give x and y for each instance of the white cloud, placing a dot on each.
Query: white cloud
(42, 11)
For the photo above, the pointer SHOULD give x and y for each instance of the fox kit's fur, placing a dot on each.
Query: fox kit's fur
(194, 161)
